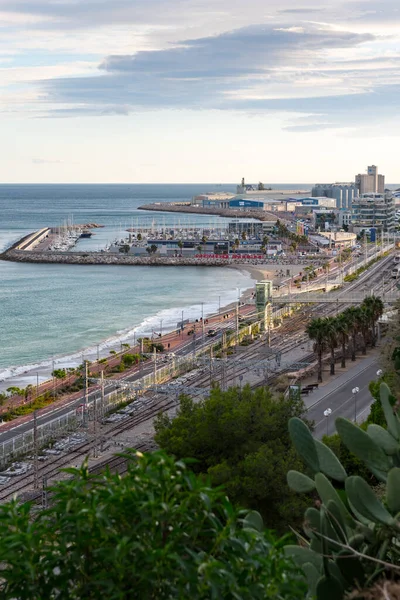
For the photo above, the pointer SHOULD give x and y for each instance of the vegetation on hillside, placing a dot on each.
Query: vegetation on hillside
(159, 532)
(352, 532)
(239, 438)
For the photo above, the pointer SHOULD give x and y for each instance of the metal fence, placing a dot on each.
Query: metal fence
(23, 444)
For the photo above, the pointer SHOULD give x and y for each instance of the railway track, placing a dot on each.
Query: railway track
(155, 404)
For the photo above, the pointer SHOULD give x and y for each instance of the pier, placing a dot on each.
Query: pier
(188, 208)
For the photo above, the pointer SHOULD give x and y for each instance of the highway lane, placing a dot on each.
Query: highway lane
(342, 401)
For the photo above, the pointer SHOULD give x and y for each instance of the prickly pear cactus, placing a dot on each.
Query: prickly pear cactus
(350, 529)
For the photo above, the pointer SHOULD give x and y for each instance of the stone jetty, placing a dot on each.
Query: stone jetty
(176, 207)
(13, 254)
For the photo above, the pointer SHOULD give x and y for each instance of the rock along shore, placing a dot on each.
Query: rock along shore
(97, 258)
(260, 215)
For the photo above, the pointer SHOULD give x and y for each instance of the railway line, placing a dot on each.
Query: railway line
(287, 338)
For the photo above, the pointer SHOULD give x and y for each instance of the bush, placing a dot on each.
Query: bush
(240, 439)
(158, 533)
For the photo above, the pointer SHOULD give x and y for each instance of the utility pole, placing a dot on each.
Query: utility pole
(237, 325)
(102, 406)
(54, 382)
(36, 452)
(211, 365)
(44, 493)
(155, 365)
(194, 341)
(86, 400)
(365, 249)
(95, 428)
(141, 354)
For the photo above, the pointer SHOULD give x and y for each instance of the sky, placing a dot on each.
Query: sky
(163, 91)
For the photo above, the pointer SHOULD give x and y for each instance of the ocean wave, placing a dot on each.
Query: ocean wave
(171, 318)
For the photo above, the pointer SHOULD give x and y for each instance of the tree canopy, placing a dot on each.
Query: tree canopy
(159, 532)
(240, 439)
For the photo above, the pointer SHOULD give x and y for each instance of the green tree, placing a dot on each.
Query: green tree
(139, 237)
(239, 438)
(342, 328)
(363, 317)
(375, 309)
(317, 331)
(59, 373)
(331, 340)
(157, 533)
(354, 328)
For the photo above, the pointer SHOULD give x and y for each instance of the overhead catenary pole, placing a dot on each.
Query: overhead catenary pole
(237, 325)
(44, 493)
(155, 365)
(102, 403)
(211, 365)
(36, 452)
(86, 398)
(95, 427)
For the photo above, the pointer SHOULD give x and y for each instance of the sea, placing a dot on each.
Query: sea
(58, 315)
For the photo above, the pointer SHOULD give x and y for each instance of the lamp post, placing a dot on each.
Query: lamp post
(327, 414)
(355, 391)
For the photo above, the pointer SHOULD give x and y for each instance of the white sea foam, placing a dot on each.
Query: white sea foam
(24, 375)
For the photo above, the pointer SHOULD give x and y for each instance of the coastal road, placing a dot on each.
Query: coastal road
(337, 395)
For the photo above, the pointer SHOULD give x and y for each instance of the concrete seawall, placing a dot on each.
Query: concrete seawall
(260, 215)
(29, 243)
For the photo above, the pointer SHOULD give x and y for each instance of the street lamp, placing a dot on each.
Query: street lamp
(355, 391)
(327, 414)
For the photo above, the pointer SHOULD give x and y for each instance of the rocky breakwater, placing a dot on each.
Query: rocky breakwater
(104, 258)
(260, 215)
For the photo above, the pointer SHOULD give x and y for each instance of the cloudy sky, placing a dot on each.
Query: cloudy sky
(198, 90)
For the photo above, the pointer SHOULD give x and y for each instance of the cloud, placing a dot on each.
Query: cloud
(209, 72)
(154, 54)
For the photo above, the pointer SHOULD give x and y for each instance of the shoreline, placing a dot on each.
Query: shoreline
(27, 374)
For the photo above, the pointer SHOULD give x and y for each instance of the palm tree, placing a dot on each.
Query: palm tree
(375, 307)
(317, 331)
(359, 324)
(364, 316)
(342, 328)
(331, 339)
(353, 324)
